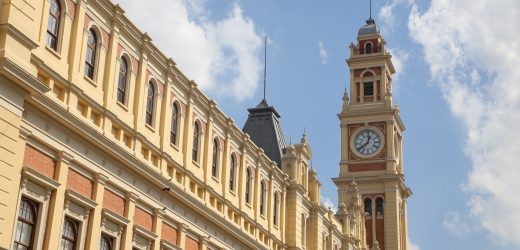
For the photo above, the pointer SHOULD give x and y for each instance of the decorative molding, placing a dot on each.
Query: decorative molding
(47, 183)
(80, 199)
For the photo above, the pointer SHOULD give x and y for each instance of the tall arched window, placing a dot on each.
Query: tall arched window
(195, 149)
(150, 103)
(262, 197)
(24, 232)
(379, 206)
(232, 173)
(106, 242)
(276, 204)
(214, 161)
(249, 176)
(69, 235)
(368, 206)
(121, 84)
(368, 48)
(90, 60)
(173, 126)
(53, 25)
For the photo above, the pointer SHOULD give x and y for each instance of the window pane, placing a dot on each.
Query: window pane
(368, 88)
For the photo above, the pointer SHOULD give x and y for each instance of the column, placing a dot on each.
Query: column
(94, 223)
(56, 204)
(126, 238)
(157, 226)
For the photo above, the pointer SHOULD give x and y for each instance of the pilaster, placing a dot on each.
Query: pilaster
(126, 238)
(93, 235)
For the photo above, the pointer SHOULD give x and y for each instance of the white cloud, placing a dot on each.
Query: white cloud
(323, 53)
(472, 48)
(222, 56)
(412, 246)
(328, 203)
(386, 13)
(456, 225)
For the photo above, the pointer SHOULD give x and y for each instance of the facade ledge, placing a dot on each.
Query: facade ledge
(145, 233)
(169, 246)
(18, 35)
(38, 178)
(25, 79)
(114, 217)
(80, 199)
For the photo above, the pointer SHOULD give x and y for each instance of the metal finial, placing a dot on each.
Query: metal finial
(370, 17)
(265, 64)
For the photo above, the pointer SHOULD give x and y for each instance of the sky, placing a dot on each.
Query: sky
(457, 87)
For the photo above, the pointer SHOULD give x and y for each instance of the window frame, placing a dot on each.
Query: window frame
(263, 191)
(125, 75)
(247, 193)
(365, 85)
(380, 204)
(150, 103)
(94, 48)
(110, 239)
(76, 228)
(369, 48)
(34, 207)
(174, 124)
(369, 212)
(58, 24)
(215, 158)
(195, 147)
(276, 204)
(232, 173)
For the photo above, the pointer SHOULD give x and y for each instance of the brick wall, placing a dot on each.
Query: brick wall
(143, 218)
(169, 233)
(38, 161)
(191, 244)
(114, 202)
(79, 183)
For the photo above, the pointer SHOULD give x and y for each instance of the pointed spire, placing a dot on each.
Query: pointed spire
(370, 20)
(304, 136)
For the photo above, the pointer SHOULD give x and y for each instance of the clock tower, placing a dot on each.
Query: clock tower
(371, 142)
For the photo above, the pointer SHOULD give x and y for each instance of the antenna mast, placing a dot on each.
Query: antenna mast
(370, 17)
(265, 63)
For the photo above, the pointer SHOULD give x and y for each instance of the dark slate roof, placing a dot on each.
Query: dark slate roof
(263, 127)
(369, 29)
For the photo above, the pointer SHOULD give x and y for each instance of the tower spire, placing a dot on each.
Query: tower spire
(370, 16)
(265, 63)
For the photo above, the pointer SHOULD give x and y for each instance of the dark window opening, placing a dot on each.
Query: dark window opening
(368, 88)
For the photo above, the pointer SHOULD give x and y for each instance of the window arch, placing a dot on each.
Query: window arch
(196, 141)
(69, 234)
(368, 48)
(214, 160)
(53, 25)
(122, 81)
(90, 60)
(232, 172)
(150, 96)
(263, 189)
(25, 227)
(174, 124)
(276, 204)
(379, 206)
(106, 242)
(368, 206)
(249, 177)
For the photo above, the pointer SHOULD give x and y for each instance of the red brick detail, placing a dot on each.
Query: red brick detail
(106, 38)
(79, 183)
(72, 8)
(119, 50)
(114, 202)
(87, 21)
(368, 229)
(135, 65)
(358, 72)
(161, 90)
(38, 161)
(366, 167)
(172, 98)
(169, 233)
(143, 218)
(380, 232)
(191, 244)
(375, 45)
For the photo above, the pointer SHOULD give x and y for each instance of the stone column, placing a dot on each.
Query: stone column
(56, 204)
(126, 238)
(94, 223)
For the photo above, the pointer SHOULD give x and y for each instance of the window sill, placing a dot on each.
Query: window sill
(248, 205)
(149, 127)
(123, 106)
(232, 192)
(215, 178)
(53, 52)
(91, 81)
(196, 163)
(174, 146)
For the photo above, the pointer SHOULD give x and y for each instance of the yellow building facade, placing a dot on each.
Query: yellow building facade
(106, 144)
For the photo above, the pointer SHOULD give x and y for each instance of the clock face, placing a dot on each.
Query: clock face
(367, 142)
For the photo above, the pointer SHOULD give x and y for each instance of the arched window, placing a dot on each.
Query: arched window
(90, 60)
(53, 25)
(214, 161)
(150, 103)
(368, 206)
(249, 176)
(379, 206)
(368, 48)
(173, 126)
(106, 243)
(195, 149)
(121, 84)
(262, 197)
(276, 204)
(69, 235)
(232, 173)
(24, 232)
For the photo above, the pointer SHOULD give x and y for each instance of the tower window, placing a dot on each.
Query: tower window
(368, 206)
(379, 206)
(368, 88)
(368, 48)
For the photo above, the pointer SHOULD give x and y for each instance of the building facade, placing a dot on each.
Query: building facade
(105, 144)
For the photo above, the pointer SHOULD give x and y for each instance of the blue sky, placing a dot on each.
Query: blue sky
(456, 91)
